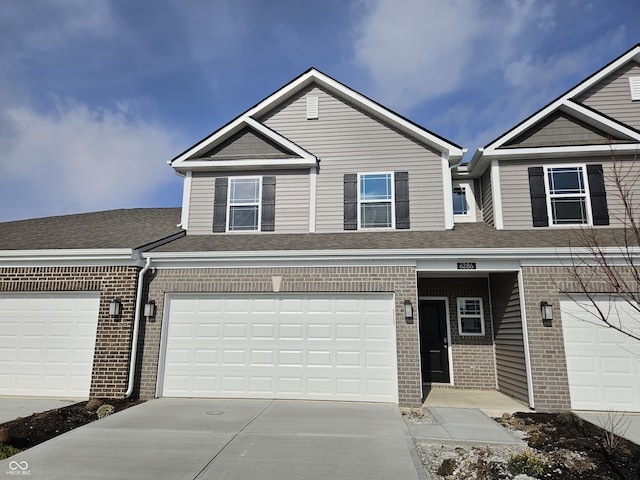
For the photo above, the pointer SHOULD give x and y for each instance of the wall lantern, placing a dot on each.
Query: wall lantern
(150, 309)
(408, 311)
(115, 307)
(547, 313)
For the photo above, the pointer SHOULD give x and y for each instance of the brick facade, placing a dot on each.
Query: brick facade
(398, 280)
(112, 352)
(473, 357)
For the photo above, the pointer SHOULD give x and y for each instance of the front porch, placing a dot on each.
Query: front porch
(492, 402)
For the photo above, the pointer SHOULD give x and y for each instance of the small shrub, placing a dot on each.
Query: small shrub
(526, 463)
(568, 418)
(7, 451)
(105, 410)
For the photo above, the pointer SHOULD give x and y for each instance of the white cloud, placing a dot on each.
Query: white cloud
(80, 159)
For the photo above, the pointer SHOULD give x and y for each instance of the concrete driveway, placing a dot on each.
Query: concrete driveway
(230, 439)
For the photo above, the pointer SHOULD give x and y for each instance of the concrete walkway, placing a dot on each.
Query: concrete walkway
(231, 439)
(491, 402)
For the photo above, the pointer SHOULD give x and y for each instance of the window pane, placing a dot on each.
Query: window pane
(375, 187)
(460, 206)
(243, 218)
(569, 211)
(471, 325)
(245, 190)
(375, 215)
(469, 306)
(566, 180)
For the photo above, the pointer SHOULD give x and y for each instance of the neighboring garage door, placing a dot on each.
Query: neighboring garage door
(603, 365)
(47, 342)
(317, 347)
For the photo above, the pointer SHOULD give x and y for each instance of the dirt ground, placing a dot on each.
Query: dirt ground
(565, 446)
(27, 432)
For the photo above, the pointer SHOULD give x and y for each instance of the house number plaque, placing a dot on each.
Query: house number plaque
(466, 265)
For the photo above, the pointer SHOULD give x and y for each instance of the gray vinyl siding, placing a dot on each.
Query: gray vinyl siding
(511, 367)
(247, 144)
(514, 183)
(347, 140)
(292, 200)
(612, 96)
(560, 129)
(487, 200)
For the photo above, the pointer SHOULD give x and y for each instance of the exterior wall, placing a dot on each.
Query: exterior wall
(347, 140)
(612, 97)
(558, 130)
(516, 202)
(473, 360)
(247, 144)
(397, 280)
(292, 200)
(511, 366)
(113, 341)
(487, 200)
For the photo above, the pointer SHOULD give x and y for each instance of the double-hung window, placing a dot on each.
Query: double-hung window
(376, 200)
(567, 195)
(460, 205)
(244, 203)
(470, 316)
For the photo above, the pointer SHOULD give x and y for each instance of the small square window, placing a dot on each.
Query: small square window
(470, 316)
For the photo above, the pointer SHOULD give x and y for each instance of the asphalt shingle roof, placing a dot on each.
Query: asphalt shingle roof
(468, 235)
(124, 228)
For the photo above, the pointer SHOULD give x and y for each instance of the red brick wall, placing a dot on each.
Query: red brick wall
(113, 341)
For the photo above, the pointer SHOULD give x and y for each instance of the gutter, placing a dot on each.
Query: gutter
(136, 329)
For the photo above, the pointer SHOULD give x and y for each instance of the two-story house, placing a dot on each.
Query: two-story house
(330, 248)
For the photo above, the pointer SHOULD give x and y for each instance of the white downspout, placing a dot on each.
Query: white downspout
(136, 328)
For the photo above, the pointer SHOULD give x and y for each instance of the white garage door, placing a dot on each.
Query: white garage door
(603, 365)
(320, 347)
(47, 343)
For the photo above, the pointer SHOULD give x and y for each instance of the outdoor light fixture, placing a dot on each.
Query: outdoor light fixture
(150, 309)
(408, 311)
(547, 313)
(114, 307)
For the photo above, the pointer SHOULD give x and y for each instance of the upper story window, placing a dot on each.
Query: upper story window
(375, 198)
(567, 195)
(464, 204)
(244, 203)
(470, 316)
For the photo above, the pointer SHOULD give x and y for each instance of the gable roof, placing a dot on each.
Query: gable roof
(185, 160)
(567, 104)
(123, 229)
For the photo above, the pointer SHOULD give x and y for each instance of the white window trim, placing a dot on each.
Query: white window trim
(634, 88)
(470, 216)
(229, 189)
(392, 201)
(587, 195)
(460, 315)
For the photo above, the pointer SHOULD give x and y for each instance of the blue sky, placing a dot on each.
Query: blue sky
(96, 96)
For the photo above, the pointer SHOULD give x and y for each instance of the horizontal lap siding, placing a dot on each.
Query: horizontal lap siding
(514, 182)
(347, 140)
(562, 130)
(487, 199)
(511, 365)
(292, 200)
(612, 96)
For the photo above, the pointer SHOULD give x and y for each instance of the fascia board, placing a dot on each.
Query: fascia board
(567, 151)
(577, 90)
(253, 164)
(69, 257)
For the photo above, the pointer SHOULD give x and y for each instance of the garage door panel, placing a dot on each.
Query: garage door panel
(275, 346)
(603, 365)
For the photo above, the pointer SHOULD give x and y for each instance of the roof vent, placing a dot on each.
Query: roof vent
(634, 86)
(312, 108)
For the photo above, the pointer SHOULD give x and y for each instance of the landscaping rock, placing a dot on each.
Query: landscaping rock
(93, 405)
(5, 436)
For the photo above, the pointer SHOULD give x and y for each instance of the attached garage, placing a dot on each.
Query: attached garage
(283, 346)
(603, 365)
(47, 343)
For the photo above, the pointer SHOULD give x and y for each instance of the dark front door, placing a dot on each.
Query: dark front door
(434, 341)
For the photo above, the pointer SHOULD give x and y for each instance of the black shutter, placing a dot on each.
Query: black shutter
(268, 204)
(598, 193)
(538, 197)
(350, 201)
(402, 199)
(220, 205)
